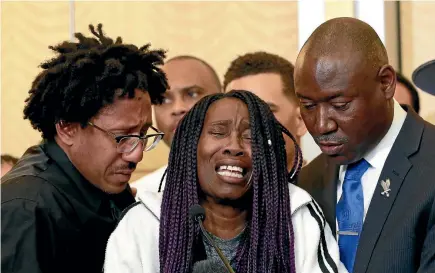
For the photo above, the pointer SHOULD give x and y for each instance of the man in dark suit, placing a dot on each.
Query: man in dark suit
(375, 178)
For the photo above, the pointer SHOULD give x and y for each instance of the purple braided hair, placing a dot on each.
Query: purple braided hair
(270, 211)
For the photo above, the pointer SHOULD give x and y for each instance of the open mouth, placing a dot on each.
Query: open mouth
(231, 171)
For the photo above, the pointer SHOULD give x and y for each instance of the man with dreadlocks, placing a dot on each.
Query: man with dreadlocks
(92, 104)
(228, 155)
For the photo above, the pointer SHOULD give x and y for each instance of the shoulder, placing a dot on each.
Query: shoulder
(428, 137)
(417, 131)
(34, 177)
(25, 188)
(318, 163)
(150, 182)
(298, 198)
(134, 244)
(142, 213)
(305, 210)
(136, 236)
(311, 174)
(415, 141)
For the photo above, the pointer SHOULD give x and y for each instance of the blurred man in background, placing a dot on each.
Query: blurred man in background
(190, 79)
(406, 93)
(7, 162)
(270, 77)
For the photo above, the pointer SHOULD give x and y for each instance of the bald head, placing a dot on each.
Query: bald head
(190, 79)
(211, 71)
(345, 87)
(349, 38)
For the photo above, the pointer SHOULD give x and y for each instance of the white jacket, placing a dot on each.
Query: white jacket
(133, 246)
(150, 182)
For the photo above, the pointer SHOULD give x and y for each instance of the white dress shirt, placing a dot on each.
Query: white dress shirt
(376, 158)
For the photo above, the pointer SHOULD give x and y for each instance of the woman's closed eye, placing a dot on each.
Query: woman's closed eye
(217, 133)
(247, 135)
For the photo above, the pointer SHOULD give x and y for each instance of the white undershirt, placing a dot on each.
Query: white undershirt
(376, 158)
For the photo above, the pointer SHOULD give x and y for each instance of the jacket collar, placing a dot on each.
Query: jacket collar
(153, 200)
(92, 196)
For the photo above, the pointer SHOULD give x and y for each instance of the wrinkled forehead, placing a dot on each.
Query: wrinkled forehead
(125, 110)
(337, 72)
(333, 71)
(230, 110)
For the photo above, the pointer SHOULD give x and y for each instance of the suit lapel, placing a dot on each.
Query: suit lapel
(329, 194)
(396, 168)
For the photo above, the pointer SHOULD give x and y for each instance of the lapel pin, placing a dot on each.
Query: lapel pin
(386, 187)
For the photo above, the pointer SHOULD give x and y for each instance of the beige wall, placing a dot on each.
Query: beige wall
(418, 43)
(215, 31)
(27, 30)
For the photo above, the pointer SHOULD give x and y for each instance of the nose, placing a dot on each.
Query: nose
(136, 155)
(234, 147)
(180, 107)
(324, 123)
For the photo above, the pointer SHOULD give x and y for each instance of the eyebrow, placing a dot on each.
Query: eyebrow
(328, 98)
(191, 87)
(227, 122)
(272, 105)
(129, 127)
(221, 122)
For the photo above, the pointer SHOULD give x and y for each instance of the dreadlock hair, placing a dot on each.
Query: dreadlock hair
(270, 202)
(87, 75)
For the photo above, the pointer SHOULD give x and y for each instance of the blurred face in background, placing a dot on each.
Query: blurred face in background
(270, 88)
(189, 81)
(6, 167)
(402, 94)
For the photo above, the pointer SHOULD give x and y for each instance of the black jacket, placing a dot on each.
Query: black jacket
(52, 219)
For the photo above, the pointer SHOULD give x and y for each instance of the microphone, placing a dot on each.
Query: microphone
(197, 213)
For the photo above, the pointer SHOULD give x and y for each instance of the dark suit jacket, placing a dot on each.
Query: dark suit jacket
(398, 234)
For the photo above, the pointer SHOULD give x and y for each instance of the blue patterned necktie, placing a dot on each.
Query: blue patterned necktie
(350, 212)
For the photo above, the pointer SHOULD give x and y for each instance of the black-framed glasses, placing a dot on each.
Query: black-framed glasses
(127, 143)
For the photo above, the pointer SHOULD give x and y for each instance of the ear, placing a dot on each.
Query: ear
(387, 77)
(301, 129)
(67, 132)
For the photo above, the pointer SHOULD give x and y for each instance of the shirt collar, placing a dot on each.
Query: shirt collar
(91, 194)
(378, 155)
